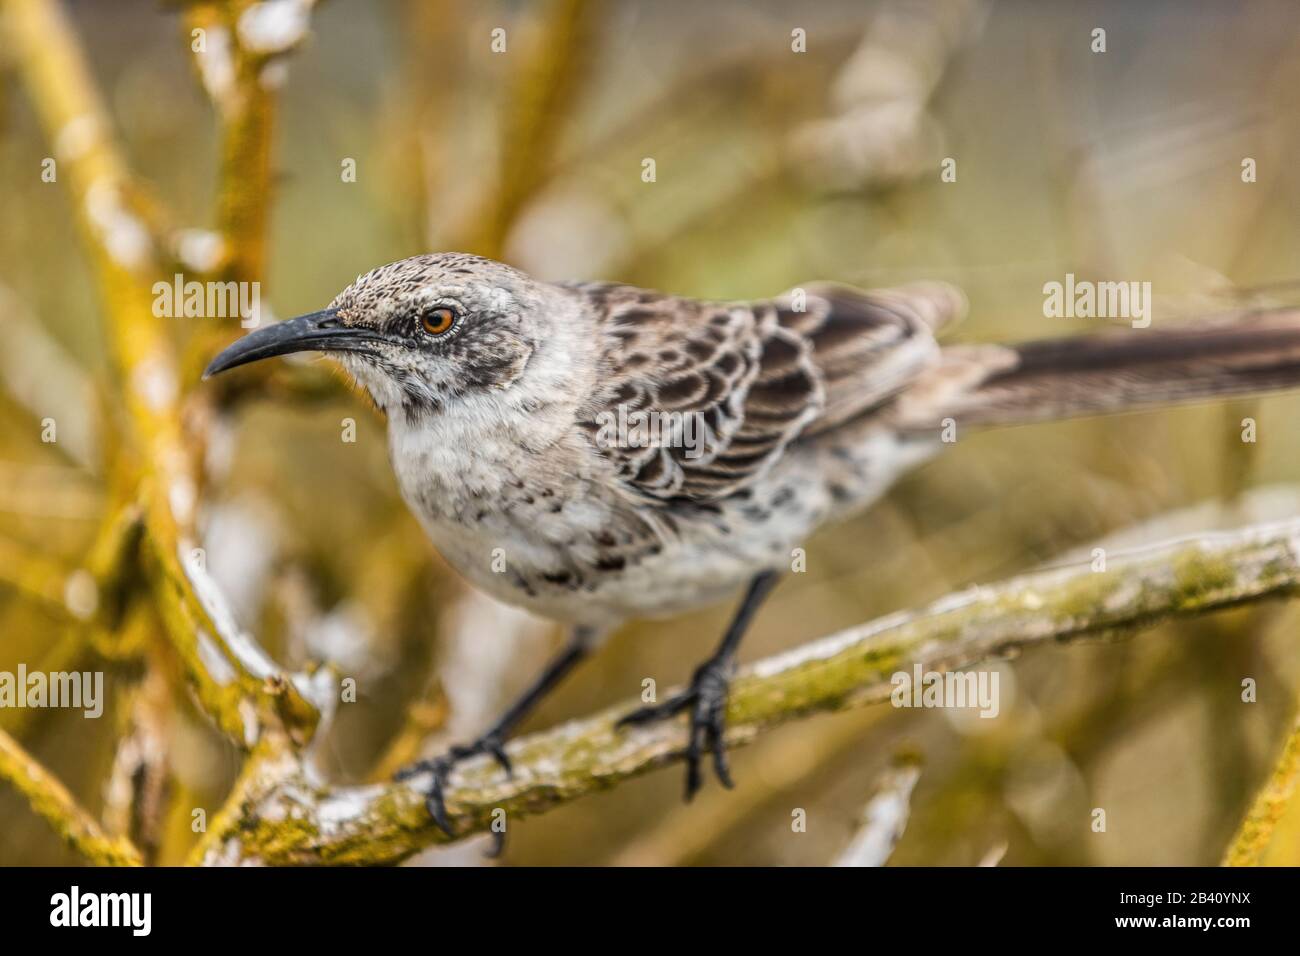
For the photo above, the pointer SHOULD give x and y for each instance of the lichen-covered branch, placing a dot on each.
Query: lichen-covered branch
(51, 800)
(139, 783)
(239, 48)
(234, 680)
(239, 686)
(1255, 838)
(280, 814)
(236, 48)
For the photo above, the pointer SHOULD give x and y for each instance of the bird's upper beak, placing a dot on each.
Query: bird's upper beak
(317, 331)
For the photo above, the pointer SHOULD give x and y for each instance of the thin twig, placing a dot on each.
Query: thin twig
(38, 372)
(241, 40)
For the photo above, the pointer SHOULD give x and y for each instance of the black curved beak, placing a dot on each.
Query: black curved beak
(316, 331)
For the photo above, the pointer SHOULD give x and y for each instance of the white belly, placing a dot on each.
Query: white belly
(508, 549)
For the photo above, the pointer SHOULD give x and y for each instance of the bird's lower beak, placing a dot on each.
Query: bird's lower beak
(317, 331)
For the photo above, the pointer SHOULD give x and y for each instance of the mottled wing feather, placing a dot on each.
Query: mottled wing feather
(869, 345)
(751, 377)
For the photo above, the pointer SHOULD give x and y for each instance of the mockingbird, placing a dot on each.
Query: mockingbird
(595, 452)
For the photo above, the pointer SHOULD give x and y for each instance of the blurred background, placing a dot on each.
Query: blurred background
(772, 168)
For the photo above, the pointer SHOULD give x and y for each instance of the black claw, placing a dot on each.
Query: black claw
(439, 769)
(707, 700)
(652, 712)
(497, 749)
(693, 782)
(721, 769)
(716, 715)
(707, 696)
(407, 772)
(437, 807)
(720, 766)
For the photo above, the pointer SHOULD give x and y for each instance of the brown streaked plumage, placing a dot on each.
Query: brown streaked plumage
(806, 408)
(759, 374)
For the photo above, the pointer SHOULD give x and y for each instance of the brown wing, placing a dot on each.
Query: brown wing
(869, 345)
(698, 399)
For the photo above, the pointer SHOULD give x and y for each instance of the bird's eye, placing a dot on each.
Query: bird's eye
(438, 321)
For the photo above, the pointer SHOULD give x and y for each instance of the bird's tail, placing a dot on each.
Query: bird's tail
(1245, 353)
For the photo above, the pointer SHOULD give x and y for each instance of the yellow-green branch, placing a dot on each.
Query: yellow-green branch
(1256, 836)
(238, 64)
(51, 800)
(228, 672)
(280, 814)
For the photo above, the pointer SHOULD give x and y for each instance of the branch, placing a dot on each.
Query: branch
(32, 491)
(38, 372)
(1251, 845)
(35, 576)
(51, 800)
(544, 89)
(280, 813)
(235, 681)
(884, 818)
(139, 784)
(237, 65)
(241, 65)
(91, 595)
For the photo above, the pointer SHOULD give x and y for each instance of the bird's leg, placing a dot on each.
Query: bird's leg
(707, 695)
(493, 740)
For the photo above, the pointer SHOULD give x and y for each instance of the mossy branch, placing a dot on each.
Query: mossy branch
(159, 473)
(280, 813)
(235, 50)
(51, 800)
(238, 46)
(1255, 838)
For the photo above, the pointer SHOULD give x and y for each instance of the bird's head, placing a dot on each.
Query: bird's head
(423, 332)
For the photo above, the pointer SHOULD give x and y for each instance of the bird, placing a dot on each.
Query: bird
(597, 453)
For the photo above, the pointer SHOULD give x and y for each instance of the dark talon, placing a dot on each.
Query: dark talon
(493, 742)
(707, 700)
(498, 751)
(440, 769)
(652, 712)
(436, 805)
(720, 765)
(707, 696)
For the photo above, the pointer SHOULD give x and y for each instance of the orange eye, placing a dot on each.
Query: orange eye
(438, 321)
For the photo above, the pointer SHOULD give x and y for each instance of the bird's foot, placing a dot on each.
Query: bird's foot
(439, 769)
(706, 698)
